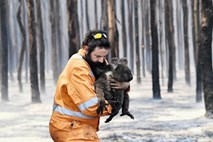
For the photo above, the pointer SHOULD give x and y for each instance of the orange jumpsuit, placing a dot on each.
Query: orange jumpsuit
(74, 116)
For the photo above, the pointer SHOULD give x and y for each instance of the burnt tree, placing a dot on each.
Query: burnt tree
(113, 30)
(73, 27)
(155, 61)
(4, 50)
(41, 47)
(206, 55)
(35, 94)
(138, 66)
(23, 48)
(186, 43)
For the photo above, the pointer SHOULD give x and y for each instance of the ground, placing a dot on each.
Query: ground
(174, 118)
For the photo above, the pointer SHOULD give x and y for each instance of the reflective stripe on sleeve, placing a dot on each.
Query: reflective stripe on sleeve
(71, 113)
(88, 104)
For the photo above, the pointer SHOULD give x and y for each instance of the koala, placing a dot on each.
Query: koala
(117, 98)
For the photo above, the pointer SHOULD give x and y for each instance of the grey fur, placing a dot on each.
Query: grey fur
(118, 99)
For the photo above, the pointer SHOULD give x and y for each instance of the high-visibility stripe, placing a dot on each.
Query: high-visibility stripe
(88, 104)
(65, 111)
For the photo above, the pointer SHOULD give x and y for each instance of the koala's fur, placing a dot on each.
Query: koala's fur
(117, 98)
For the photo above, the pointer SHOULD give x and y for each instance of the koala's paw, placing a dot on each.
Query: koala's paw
(127, 113)
(101, 107)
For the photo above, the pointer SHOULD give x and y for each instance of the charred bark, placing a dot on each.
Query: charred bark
(35, 94)
(155, 62)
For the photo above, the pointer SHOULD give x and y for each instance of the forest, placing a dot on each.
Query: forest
(158, 37)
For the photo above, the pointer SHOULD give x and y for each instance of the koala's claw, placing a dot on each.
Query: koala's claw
(100, 110)
(101, 107)
(127, 113)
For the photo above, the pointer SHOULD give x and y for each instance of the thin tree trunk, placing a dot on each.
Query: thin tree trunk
(160, 34)
(186, 43)
(147, 37)
(197, 51)
(206, 55)
(155, 62)
(54, 41)
(87, 16)
(35, 94)
(171, 44)
(124, 36)
(138, 63)
(73, 27)
(4, 50)
(131, 43)
(42, 47)
(113, 31)
(142, 39)
(23, 48)
(193, 29)
(104, 16)
(96, 14)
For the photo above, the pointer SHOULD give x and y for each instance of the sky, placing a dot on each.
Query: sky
(174, 118)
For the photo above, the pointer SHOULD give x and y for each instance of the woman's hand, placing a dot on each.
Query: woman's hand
(119, 85)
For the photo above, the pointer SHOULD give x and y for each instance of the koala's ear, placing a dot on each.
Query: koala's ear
(123, 61)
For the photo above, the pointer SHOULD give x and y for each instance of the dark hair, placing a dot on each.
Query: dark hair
(96, 38)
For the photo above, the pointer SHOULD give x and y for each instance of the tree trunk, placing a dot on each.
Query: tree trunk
(142, 39)
(186, 43)
(123, 23)
(131, 43)
(171, 43)
(42, 47)
(155, 64)
(35, 95)
(147, 37)
(23, 48)
(113, 31)
(96, 14)
(73, 27)
(87, 16)
(206, 55)
(4, 50)
(104, 15)
(197, 51)
(138, 63)
(54, 41)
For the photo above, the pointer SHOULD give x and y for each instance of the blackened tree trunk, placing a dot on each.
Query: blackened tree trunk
(23, 48)
(170, 40)
(206, 55)
(186, 43)
(113, 31)
(4, 51)
(42, 47)
(130, 27)
(96, 14)
(123, 22)
(73, 27)
(54, 40)
(104, 15)
(197, 51)
(155, 62)
(193, 28)
(35, 94)
(87, 16)
(138, 63)
(148, 36)
(142, 39)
